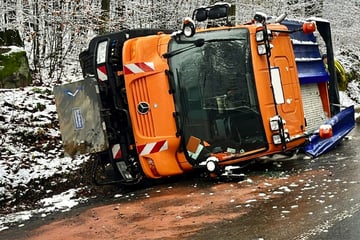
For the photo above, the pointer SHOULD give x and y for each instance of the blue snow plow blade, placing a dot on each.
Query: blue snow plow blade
(342, 123)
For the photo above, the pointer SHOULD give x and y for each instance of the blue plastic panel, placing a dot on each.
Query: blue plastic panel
(311, 72)
(310, 66)
(342, 123)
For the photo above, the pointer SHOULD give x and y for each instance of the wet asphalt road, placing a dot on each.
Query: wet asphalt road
(347, 228)
(321, 201)
(326, 207)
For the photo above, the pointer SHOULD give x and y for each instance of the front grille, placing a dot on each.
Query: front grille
(145, 123)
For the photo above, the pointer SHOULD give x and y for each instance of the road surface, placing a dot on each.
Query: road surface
(326, 207)
(297, 198)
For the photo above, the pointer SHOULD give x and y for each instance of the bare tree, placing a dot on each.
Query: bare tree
(55, 31)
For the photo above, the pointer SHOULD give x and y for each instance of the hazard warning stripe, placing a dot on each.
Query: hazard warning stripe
(102, 74)
(139, 67)
(116, 151)
(152, 147)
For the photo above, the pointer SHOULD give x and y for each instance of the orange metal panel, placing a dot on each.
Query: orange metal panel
(152, 88)
(291, 111)
(324, 94)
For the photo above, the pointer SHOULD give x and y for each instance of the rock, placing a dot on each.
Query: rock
(14, 66)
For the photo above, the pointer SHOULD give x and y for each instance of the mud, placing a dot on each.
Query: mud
(170, 211)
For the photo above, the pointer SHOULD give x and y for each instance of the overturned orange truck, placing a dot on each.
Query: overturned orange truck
(156, 103)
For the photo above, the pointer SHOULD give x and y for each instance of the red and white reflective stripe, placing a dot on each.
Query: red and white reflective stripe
(152, 147)
(116, 151)
(102, 73)
(139, 67)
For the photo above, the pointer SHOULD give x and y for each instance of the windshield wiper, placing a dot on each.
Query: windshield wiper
(197, 43)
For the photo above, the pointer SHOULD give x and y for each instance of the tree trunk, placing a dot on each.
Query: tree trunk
(105, 11)
(36, 41)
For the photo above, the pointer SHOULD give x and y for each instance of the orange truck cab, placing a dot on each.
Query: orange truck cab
(158, 103)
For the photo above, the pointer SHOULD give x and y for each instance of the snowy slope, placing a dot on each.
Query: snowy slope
(32, 165)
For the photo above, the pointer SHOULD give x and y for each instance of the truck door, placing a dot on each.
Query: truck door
(290, 107)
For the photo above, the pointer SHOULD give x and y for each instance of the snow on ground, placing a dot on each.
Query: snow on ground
(32, 164)
(352, 97)
(57, 203)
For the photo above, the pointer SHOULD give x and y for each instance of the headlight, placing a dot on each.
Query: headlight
(260, 17)
(101, 52)
(260, 36)
(276, 139)
(274, 123)
(211, 166)
(188, 27)
(261, 49)
(211, 163)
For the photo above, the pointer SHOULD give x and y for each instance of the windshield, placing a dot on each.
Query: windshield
(215, 92)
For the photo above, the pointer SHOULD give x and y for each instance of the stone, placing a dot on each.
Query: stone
(14, 66)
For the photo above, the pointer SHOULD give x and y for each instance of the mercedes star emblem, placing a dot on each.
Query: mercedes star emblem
(143, 107)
